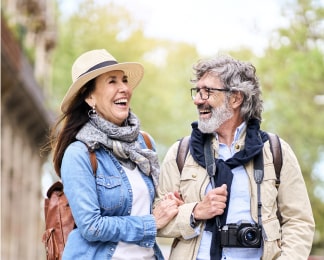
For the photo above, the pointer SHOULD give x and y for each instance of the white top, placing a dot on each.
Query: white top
(140, 207)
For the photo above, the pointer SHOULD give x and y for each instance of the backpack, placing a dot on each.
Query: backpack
(59, 221)
(275, 148)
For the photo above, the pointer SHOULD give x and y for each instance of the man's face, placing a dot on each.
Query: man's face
(215, 110)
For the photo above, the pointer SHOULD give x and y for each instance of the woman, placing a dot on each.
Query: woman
(113, 209)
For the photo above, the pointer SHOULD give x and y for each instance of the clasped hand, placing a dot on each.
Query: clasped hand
(213, 204)
(166, 209)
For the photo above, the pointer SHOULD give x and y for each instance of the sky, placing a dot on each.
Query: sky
(210, 25)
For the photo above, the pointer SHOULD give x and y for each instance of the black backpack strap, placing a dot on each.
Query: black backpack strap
(275, 148)
(182, 152)
(276, 151)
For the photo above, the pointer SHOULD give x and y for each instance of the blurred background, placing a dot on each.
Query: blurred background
(40, 39)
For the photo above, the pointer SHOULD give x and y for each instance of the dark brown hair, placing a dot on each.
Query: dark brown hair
(68, 125)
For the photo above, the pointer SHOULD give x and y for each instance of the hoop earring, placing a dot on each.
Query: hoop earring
(92, 113)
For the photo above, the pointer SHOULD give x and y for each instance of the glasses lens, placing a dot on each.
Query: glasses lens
(194, 92)
(203, 92)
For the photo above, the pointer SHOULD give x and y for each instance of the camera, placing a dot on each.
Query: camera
(241, 234)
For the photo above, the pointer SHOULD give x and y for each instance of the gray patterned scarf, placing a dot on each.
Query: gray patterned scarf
(122, 141)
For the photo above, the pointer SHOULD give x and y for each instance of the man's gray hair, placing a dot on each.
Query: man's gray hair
(236, 76)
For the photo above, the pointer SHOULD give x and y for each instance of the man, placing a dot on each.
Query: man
(226, 214)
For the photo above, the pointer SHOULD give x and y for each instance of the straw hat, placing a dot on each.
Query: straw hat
(94, 63)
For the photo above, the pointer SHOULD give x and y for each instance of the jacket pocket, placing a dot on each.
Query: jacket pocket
(269, 191)
(189, 174)
(188, 182)
(109, 191)
(272, 239)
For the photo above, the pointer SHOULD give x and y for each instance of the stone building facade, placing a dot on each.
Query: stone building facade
(25, 121)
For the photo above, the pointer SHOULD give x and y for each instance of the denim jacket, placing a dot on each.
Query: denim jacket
(101, 205)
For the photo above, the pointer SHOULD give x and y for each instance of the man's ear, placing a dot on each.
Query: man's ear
(237, 99)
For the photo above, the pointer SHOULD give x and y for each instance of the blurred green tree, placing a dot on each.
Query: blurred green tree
(292, 76)
(162, 98)
(291, 73)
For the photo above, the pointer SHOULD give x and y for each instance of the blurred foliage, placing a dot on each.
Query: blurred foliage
(291, 73)
(163, 95)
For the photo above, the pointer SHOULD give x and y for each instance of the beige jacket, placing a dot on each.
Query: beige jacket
(292, 239)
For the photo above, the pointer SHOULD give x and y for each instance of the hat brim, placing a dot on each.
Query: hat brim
(133, 70)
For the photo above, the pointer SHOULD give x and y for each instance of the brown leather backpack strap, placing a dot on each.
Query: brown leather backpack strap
(147, 139)
(275, 147)
(57, 186)
(182, 152)
(94, 162)
(93, 157)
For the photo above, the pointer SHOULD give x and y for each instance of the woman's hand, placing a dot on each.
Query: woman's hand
(174, 196)
(167, 209)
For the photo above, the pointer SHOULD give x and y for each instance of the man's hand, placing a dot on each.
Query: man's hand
(213, 204)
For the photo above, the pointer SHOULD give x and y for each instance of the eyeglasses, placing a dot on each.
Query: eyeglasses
(205, 92)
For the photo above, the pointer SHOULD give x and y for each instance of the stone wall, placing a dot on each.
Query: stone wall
(25, 121)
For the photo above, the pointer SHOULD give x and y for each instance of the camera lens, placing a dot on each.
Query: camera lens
(249, 236)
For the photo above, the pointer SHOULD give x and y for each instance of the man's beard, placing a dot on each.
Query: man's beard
(218, 117)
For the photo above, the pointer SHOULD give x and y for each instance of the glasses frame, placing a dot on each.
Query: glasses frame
(195, 91)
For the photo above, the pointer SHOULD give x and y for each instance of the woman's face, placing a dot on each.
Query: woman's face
(111, 96)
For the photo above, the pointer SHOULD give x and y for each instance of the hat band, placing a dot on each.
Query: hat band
(100, 65)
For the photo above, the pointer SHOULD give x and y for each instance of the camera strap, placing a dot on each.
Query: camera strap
(211, 167)
(258, 177)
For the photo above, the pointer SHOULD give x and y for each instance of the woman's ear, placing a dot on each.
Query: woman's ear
(89, 100)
